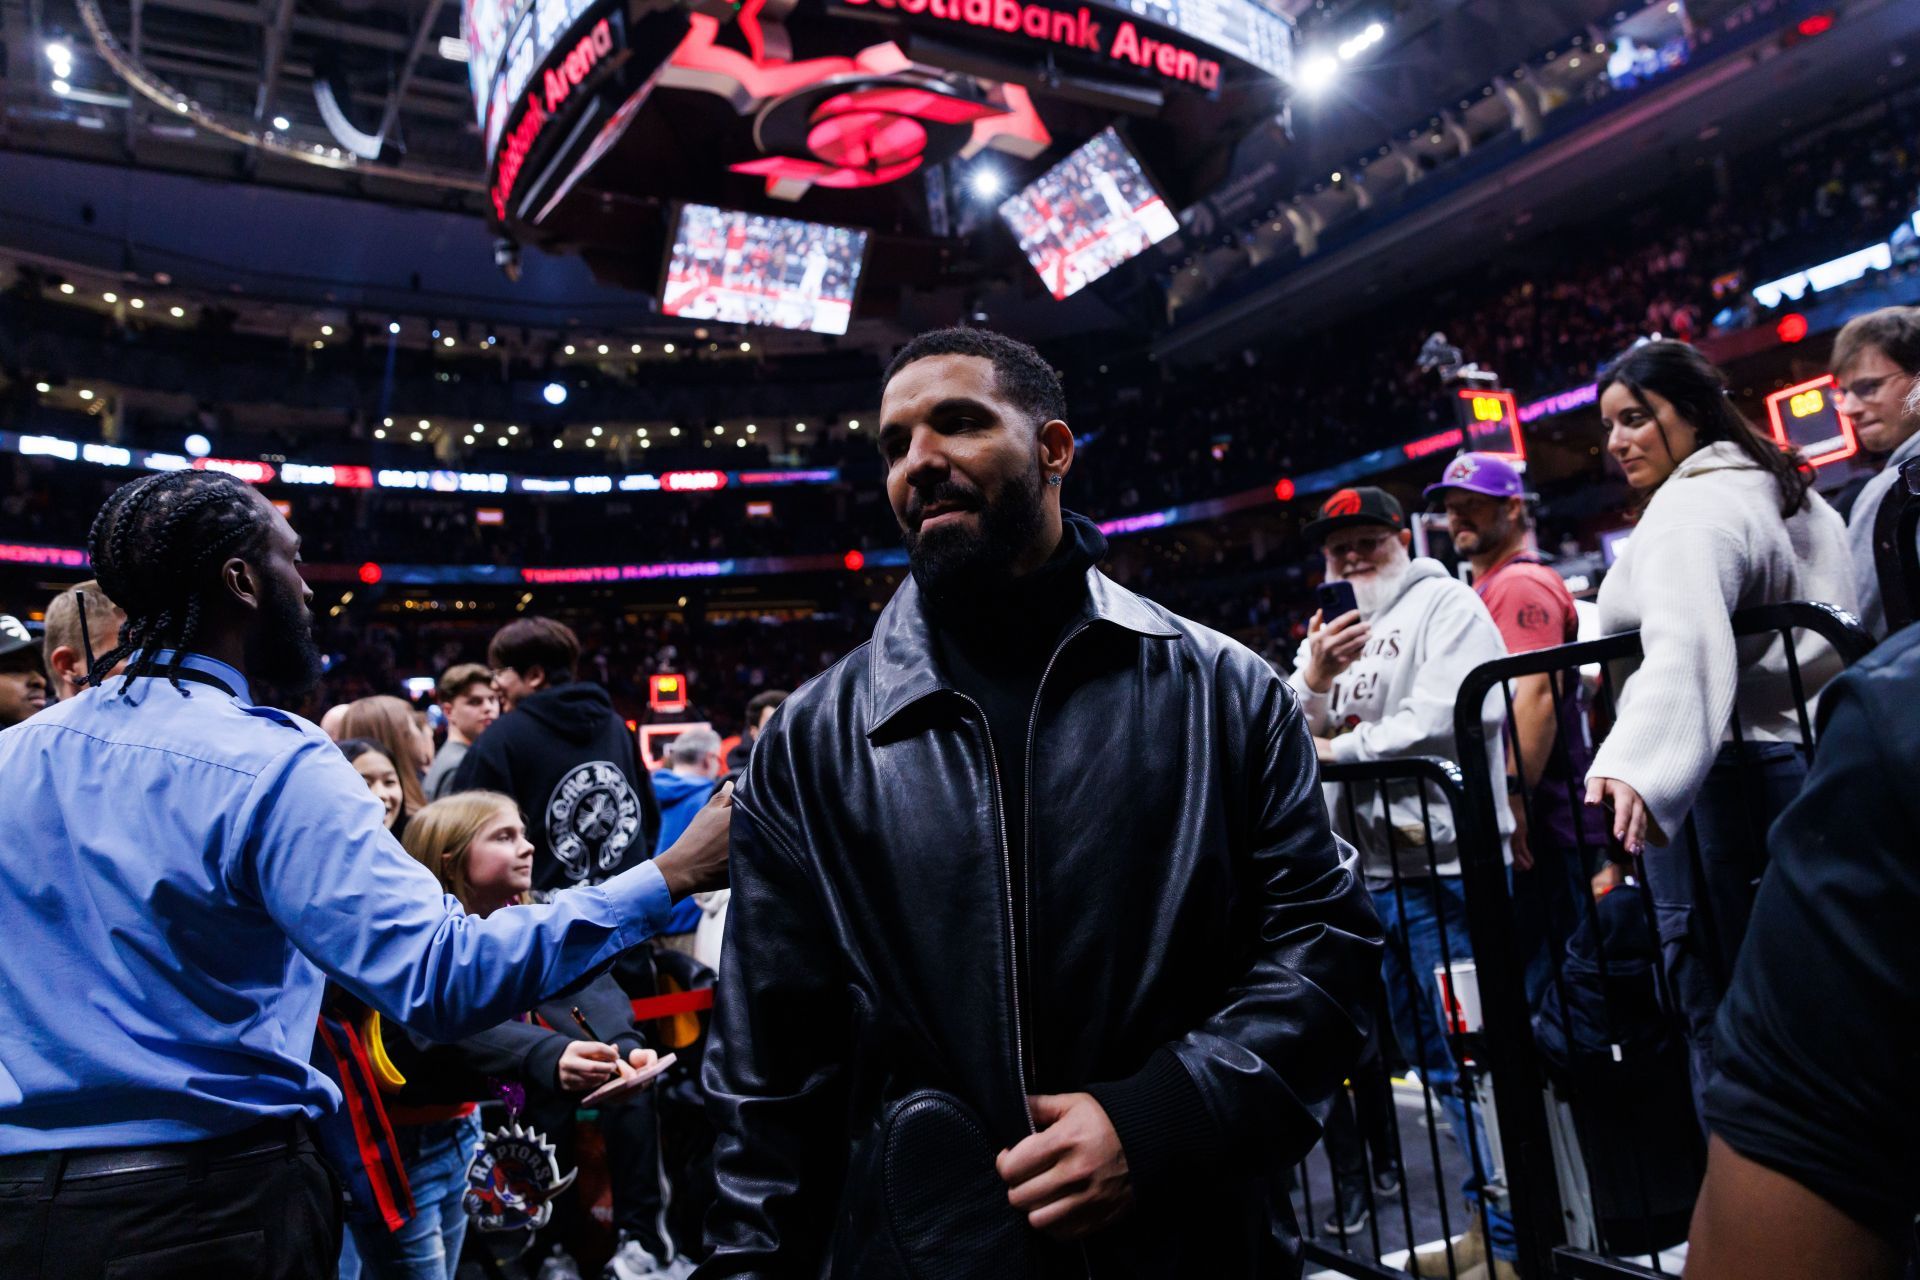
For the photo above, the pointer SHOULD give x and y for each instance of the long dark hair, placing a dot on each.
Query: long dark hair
(1697, 390)
(157, 546)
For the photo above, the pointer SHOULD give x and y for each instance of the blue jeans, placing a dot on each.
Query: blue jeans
(1703, 882)
(428, 1246)
(1417, 918)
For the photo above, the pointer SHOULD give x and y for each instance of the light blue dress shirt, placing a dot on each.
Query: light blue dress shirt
(180, 872)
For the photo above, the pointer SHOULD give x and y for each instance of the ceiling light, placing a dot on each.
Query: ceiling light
(669, 348)
(986, 182)
(110, 298)
(282, 123)
(557, 444)
(1317, 73)
(468, 439)
(801, 427)
(851, 422)
(636, 348)
(424, 424)
(454, 49)
(595, 433)
(66, 288)
(603, 348)
(326, 331)
(137, 303)
(85, 394)
(746, 346)
(502, 442)
(447, 341)
(569, 348)
(393, 326)
(414, 436)
(646, 444)
(554, 393)
(513, 430)
(386, 422)
(318, 345)
(719, 431)
(178, 313)
(379, 433)
(62, 88)
(674, 432)
(58, 52)
(43, 387)
(198, 445)
(741, 443)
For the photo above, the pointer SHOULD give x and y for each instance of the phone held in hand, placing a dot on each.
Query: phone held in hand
(1336, 600)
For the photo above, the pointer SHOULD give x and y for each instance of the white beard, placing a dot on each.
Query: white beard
(1375, 591)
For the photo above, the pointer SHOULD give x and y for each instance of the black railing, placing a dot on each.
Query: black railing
(1587, 1036)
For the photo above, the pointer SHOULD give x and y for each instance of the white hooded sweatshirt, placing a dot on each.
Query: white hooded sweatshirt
(1712, 541)
(1397, 700)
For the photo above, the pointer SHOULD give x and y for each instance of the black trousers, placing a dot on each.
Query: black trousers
(272, 1215)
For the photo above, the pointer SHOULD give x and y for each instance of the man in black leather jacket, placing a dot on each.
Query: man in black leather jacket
(1042, 957)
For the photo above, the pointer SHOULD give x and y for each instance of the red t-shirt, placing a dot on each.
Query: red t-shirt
(1530, 604)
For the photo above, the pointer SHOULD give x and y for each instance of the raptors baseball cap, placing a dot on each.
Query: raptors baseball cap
(1486, 473)
(1365, 505)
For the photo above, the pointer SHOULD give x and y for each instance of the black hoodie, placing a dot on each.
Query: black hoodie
(569, 761)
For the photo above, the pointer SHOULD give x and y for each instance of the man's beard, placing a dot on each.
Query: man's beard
(281, 650)
(956, 564)
(1375, 591)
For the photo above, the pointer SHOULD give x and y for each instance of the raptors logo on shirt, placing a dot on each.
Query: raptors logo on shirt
(592, 817)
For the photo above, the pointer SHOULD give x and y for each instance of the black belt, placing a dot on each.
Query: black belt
(55, 1167)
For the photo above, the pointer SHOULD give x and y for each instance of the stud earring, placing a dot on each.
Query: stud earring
(1053, 480)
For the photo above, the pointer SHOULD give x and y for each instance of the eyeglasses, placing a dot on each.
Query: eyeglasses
(1363, 546)
(1861, 388)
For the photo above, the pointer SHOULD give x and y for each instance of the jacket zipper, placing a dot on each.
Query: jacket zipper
(1016, 929)
(1013, 941)
(1026, 899)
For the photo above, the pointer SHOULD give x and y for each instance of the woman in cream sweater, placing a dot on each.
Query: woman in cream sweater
(1728, 520)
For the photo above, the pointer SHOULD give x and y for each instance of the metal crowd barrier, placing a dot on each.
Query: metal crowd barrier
(1385, 1137)
(1583, 1031)
(1896, 555)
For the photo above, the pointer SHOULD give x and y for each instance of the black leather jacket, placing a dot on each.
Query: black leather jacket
(1195, 940)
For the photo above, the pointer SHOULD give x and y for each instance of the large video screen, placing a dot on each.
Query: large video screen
(750, 268)
(1087, 215)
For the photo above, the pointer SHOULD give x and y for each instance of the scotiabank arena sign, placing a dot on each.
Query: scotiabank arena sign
(1082, 29)
(579, 58)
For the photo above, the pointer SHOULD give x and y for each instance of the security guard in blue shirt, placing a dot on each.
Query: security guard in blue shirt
(183, 869)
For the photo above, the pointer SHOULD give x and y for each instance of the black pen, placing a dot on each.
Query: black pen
(586, 1026)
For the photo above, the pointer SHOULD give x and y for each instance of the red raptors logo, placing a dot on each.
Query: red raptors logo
(1344, 503)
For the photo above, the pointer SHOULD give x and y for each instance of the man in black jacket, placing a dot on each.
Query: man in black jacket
(565, 755)
(1043, 959)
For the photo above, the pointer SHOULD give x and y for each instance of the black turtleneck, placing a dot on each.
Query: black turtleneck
(995, 649)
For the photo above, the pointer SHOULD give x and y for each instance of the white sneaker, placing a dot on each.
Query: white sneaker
(632, 1261)
(559, 1265)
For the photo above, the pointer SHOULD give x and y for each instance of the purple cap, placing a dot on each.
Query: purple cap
(1486, 473)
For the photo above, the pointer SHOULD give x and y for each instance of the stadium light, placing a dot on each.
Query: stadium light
(1317, 73)
(198, 446)
(282, 124)
(553, 393)
(58, 52)
(393, 326)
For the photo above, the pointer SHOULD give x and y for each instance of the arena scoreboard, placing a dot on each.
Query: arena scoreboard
(1807, 417)
(841, 96)
(1490, 422)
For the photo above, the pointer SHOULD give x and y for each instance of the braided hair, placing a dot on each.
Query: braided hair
(156, 547)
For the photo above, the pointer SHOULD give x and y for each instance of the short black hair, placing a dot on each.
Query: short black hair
(526, 643)
(1020, 373)
(157, 546)
(760, 702)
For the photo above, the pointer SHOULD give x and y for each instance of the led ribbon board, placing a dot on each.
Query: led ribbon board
(1807, 417)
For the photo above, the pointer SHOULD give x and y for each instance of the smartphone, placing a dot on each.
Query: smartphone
(1336, 600)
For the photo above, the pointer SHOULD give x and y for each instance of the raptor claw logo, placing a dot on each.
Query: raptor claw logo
(1344, 503)
(512, 1180)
